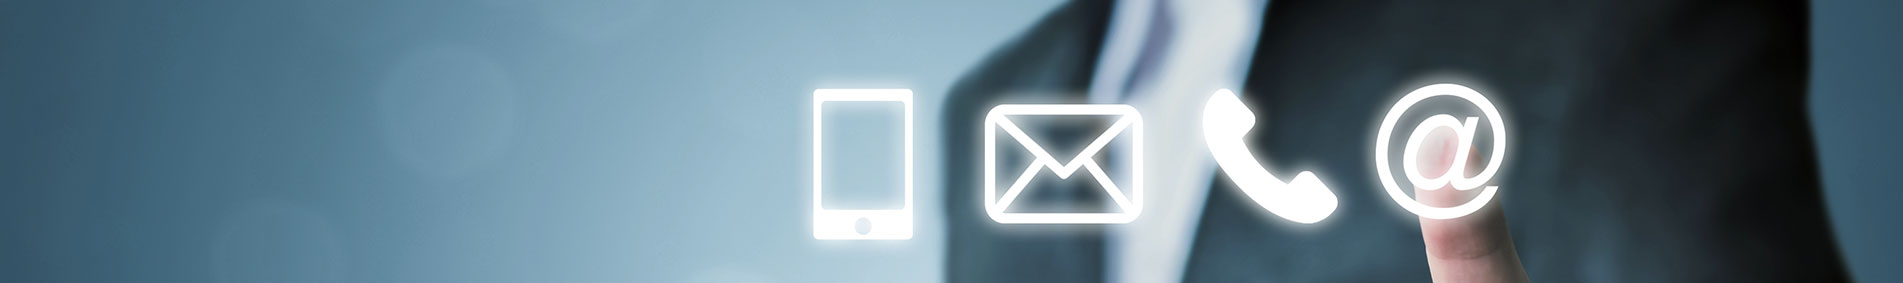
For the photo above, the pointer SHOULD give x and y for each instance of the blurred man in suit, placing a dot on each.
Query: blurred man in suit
(1656, 141)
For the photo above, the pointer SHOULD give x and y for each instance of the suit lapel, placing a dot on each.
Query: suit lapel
(1052, 63)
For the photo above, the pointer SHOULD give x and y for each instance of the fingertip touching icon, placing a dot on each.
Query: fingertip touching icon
(1455, 174)
(1226, 122)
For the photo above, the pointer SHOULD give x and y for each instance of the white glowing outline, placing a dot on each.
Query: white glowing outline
(1128, 119)
(1226, 122)
(1493, 166)
(838, 224)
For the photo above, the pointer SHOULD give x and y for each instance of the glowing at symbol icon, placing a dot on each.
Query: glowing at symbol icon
(1456, 173)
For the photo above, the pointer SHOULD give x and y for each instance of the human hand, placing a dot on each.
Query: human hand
(1472, 248)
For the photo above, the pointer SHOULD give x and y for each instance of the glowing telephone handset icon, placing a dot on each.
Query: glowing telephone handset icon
(1226, 123)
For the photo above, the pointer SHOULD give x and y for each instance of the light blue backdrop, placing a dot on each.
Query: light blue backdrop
(1856, 105)
(560, 141)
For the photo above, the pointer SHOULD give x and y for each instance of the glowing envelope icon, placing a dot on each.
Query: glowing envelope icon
(1129, 202)
(1456, 172)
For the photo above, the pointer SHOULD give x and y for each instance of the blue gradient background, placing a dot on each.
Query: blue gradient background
(564, 141)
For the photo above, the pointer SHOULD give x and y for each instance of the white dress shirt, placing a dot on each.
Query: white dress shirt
(1165, 58)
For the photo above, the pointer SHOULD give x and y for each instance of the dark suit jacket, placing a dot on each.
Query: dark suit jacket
(1656, 141)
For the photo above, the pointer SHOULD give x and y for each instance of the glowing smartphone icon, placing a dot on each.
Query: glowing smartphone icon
(862, 164)
(1226, 124)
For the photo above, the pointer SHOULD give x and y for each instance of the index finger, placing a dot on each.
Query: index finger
(1472, 248)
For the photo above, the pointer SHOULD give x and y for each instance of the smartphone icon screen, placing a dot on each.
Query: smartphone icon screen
(862, 164)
